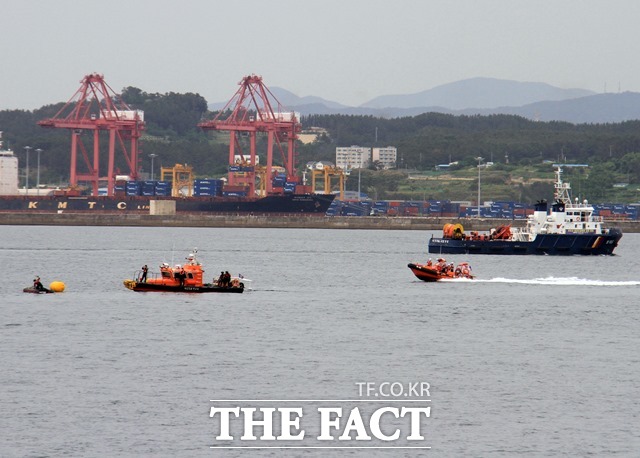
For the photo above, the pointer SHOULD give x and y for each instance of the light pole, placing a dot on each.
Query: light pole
(26, 185)
(152, 156)
(38, 175)
(359, 169)
(479, 159)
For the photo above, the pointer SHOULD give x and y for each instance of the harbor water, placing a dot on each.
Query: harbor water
(538, 357)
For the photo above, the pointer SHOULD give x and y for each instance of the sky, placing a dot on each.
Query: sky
(347, 51)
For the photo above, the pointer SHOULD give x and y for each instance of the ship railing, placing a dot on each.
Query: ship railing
(521, 236)
(138, 275)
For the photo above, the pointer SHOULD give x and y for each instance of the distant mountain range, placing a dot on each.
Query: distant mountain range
(484, 96)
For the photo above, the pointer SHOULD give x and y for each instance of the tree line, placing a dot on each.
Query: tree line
(422, 141)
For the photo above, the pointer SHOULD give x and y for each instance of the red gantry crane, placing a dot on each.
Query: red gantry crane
(249, 112)
(95, 107)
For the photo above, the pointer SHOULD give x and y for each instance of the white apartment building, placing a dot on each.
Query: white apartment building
(353, 157)
(8, 171)
(387, 156)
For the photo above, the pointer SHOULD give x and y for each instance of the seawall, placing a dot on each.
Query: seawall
(295, 221)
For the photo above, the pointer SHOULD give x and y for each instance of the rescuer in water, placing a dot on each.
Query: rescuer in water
(37, 284)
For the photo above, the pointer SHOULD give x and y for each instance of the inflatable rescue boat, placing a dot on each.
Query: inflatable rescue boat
(441, 271)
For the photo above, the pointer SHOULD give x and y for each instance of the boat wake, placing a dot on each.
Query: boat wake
(560, 281)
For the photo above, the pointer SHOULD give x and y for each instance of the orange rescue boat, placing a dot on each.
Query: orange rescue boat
(441, 271)
(186, 278)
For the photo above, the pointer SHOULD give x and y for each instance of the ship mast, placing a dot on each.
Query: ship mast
(562, 191)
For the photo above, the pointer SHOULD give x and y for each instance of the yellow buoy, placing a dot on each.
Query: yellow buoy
(57, 286)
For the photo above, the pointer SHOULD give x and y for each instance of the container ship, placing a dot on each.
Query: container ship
(249, 188)
(203, 196)
(569, 228)
(190, 195)
(306, 204)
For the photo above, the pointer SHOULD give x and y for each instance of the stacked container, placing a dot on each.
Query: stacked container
(120, 188)
(207, 187)
(133, 188)
(235, 191)
(632, 211)
(279, 180)
(148, 188)
(381, 207)
(163, 188)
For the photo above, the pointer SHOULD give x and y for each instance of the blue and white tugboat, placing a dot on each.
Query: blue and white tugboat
(569, 228)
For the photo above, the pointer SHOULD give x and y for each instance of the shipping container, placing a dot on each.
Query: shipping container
(133, 188)
(232, 188)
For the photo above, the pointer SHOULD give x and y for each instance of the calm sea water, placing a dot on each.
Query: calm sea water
(538, 357)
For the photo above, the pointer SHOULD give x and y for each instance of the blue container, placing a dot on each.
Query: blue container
(133, 188)
(234, 193)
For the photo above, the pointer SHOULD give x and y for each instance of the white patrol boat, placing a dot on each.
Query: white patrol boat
(569, 228)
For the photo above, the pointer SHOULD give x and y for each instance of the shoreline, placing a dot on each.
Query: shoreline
(273, 222)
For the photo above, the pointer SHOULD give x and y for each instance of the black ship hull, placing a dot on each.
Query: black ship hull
(314, 204)
(207, 288)
(543, 244)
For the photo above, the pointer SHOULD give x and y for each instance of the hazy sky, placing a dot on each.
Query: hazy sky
(348, 51)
